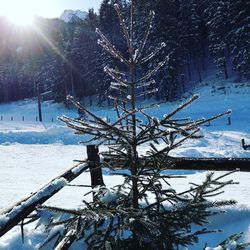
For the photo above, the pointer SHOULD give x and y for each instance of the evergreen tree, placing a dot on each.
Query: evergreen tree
(219, 27)
(123, 217)
(192, 30)
(109, 24)
(198, 33)
(239, 36)
(92, 19)
(166, 20)
(62, 85)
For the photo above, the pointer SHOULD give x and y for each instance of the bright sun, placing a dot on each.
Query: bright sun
(22, 20)
(20, 12)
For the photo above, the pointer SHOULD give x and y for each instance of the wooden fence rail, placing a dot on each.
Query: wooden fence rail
(23, 208)
(20, 210)
(29, 119)
(215, 164)
(191, 163)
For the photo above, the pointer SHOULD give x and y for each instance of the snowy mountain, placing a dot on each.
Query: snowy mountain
(69, 15)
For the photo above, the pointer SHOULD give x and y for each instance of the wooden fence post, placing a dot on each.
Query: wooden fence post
(96, 180)
(94, 166)
(244, 146)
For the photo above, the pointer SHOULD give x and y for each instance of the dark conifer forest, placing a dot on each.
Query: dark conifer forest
(55, 58)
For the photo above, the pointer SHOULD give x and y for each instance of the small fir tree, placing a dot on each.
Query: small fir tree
(123, 217)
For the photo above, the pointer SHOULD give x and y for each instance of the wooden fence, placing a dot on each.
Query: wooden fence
(29, 119)
(22, 209)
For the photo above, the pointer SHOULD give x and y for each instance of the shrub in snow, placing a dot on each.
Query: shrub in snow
(144, 212)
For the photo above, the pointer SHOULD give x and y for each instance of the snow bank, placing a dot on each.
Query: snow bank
(42, 134)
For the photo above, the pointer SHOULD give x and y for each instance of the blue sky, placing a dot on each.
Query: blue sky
(44, 8)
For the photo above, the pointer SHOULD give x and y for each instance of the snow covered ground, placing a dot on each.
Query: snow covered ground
(33, 153)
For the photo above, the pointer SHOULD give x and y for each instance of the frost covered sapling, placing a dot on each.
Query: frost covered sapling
(124, 217)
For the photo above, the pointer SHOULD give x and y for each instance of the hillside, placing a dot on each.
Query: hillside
(197, 35)
(216, 96)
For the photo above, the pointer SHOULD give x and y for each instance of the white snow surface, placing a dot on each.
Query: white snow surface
(33, 153)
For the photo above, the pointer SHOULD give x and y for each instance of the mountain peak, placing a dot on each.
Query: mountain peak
(69, 15)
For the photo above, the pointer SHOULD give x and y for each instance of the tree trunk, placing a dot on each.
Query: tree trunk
(39, 106)
(189, 72)
(225, 69)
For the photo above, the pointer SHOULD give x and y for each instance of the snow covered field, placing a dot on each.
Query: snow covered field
(33, 153)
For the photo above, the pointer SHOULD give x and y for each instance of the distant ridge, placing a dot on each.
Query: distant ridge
(70, 15)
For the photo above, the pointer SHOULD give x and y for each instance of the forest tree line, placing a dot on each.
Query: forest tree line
(61, 58)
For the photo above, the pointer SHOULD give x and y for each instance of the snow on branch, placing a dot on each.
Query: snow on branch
(182, 106)
(144, 40)
(152, 54)
(115, 75)
(124, 27)
(153, 71)
(106, 44)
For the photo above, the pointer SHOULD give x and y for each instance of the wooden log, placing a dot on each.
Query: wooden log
(215, 164)
(189, 163)
(26, 206)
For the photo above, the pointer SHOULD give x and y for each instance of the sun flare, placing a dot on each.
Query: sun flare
(22, 20)
(19, 12)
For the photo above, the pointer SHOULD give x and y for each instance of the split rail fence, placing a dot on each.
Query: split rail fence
(23, 209)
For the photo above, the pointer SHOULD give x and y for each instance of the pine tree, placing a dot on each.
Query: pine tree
(62, 62)
(198, 34)
(91, 78)
(92, 19)
(219, 27)
(123, 217)
(109, 24)
(239, 36)
(191, 29)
